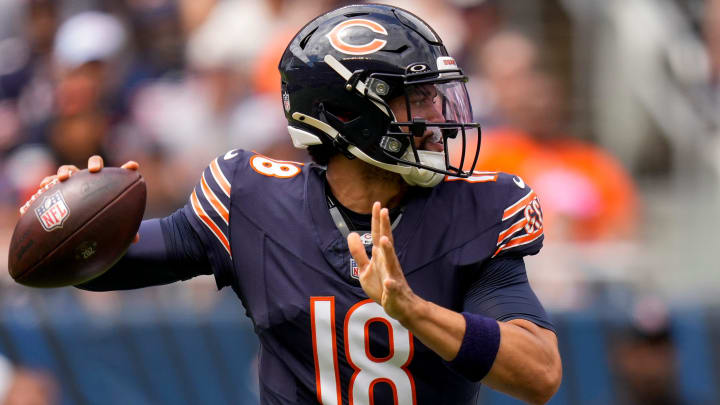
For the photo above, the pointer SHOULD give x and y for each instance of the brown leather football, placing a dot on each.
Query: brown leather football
(75, 230)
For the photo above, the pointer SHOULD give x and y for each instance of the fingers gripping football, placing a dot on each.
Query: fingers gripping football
(381, 276)
(95, 164)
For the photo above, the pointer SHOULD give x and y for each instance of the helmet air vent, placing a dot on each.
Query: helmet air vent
(400, 50)
(414, 23)
(305, 40)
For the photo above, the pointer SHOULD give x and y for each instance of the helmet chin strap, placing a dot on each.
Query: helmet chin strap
(423, 177)
(412, 175)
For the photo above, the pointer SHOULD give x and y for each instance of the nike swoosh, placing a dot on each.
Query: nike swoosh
(520, 183)
(230, 155)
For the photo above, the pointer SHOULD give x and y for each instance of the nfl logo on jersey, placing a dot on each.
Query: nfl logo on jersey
(354, 270)
(366, 239)
(53, 211)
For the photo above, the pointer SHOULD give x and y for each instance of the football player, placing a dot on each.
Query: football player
(379, 273)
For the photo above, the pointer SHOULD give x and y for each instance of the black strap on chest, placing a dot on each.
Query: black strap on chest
(343, 218)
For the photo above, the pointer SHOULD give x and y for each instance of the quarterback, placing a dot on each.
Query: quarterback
(379, 273)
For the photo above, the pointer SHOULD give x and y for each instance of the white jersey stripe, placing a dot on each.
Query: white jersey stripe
(512, 230)
(219, 177)
(518, 241)
(518, 206)
(209, 223)
(214, 200)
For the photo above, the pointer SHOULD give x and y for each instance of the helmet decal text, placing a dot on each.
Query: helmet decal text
(335, 36)
(446, 63)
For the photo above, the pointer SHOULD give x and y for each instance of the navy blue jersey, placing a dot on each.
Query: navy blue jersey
(268, 234)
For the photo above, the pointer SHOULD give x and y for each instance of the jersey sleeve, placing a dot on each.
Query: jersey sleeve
(519, 229)
(502, 291)
(168, 251)
(208, 211)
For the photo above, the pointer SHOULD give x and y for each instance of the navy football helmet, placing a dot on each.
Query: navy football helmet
(342, 73)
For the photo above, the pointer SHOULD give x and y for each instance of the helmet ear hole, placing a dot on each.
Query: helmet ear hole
(339, 114)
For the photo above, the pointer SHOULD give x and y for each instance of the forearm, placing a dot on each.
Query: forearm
(151, 261)
(527, 362)
(527, 365)
(438, 328)
(143, 265)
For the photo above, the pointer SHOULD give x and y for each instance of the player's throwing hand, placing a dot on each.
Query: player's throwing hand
(381, 276)
(95, 164)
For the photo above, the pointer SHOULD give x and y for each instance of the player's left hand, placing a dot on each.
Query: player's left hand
(381, 277)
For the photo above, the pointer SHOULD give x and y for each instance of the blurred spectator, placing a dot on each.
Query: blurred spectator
(157, 44)
(259, 124)
(585, 193)
(85, 47)
(711, 26)
(180, 125)
(446, 20)
(20, 386)
(287, 19)
(23, 170)
(501, 61)
(643, 357)
(481, 20)
(227, 98)
(26, 77)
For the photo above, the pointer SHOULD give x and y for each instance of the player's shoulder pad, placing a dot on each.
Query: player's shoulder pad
(492, 189)
(217, 179)
(520, 219)
(237, 172)
(209, 203)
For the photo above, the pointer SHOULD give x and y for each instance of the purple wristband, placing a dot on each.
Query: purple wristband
(479, 347)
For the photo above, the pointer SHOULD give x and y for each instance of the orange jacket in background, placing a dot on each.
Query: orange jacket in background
(585, 193)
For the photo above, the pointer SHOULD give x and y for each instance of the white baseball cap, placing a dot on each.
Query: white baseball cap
(88, 36)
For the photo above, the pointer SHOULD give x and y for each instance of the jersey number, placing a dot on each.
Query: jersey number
(369, 370)
(274, 168)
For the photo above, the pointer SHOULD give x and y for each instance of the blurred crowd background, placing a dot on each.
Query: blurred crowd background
(608, 109)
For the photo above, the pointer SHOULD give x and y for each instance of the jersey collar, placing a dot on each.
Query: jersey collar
(331, 241)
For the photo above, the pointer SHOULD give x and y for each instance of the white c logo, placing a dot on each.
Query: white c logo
(363, 49)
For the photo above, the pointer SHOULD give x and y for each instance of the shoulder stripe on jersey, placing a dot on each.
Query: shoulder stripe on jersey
(219, 177)
(200, 212)
(214, 201)
(518, 206)
(519, 241)
(513, 229)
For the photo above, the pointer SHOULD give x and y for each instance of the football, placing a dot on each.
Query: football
(75, 230)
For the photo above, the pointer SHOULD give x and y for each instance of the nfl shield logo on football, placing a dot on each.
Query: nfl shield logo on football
(53, 211)
(354, 270)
